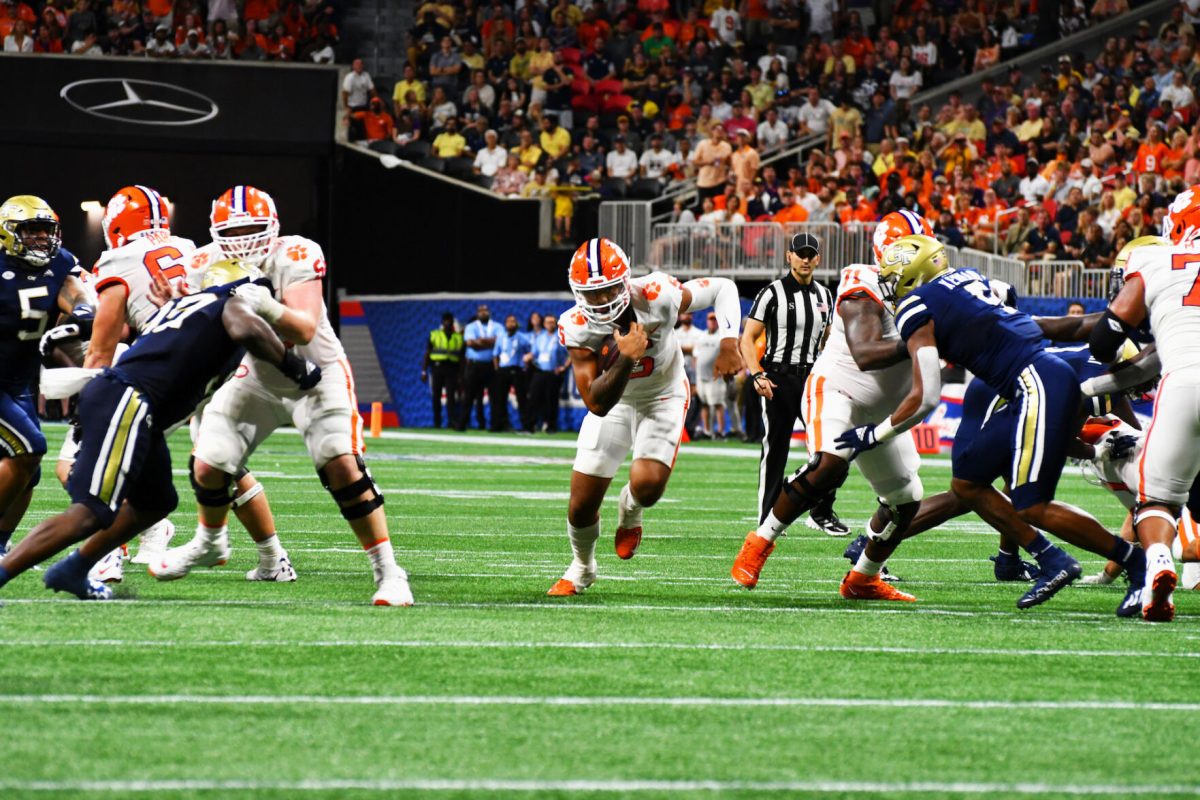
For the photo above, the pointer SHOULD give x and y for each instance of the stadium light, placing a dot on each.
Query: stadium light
(91, 206)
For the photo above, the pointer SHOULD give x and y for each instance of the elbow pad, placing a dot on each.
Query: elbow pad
(1108, 336)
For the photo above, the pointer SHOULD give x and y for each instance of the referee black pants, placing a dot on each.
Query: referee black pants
(779, 415)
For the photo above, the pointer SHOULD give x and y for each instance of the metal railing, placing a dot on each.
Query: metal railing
(627, 222)
(1065, 279)
(750, 249)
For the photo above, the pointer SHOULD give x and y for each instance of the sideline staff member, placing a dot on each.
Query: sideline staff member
(795, 312)
(443, 357)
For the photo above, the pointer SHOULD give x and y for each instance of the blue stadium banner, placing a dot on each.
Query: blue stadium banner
(169, 105)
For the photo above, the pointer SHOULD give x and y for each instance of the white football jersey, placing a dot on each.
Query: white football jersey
(293, 260)
(135, 264)
(836, 364)
(655, 302)
(1172, 279)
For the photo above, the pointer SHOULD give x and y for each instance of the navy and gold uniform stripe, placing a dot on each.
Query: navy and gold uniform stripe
(108, 476)
(1030, 440)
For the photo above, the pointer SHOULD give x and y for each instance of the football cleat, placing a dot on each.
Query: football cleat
(1056, 569)
(70, 576)
(177, 562)
(627, 541)
(1101, 578)
(856, 586)
(1189, 578)
(1131, 603)
(750, 559)
(822, 519)
(1158, 597)
(109, 569)
(856, 548)
(282, 572)
(391, 591)
(153, 542)
(1013, 568)
(575, 580)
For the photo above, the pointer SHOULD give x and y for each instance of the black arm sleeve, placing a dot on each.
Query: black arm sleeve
(1108, 336)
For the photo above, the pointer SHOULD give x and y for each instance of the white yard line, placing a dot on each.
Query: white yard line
(706, 787)
(576, 701)
(955, 652)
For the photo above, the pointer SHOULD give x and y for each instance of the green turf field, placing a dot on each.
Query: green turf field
(662, 681)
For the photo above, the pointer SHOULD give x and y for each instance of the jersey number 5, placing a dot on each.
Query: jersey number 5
(29, 314)
(1183, 261)
(165, 261)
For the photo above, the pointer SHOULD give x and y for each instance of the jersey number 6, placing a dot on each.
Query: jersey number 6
(166, 261)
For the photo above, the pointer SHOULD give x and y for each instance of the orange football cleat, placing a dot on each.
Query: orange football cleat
(563, 588)
(627, 541)
(856, 586)
(750, 559)
(1161, 588)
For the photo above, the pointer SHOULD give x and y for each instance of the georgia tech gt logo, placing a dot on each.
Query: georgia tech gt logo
(139, 102)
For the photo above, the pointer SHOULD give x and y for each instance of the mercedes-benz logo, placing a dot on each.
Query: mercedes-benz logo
(139, 102)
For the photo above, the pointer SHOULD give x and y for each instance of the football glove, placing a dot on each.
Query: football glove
(261, 301)
(305, 373)
(56, 336)
(1117, 446)
(84, 316)
(856, 440)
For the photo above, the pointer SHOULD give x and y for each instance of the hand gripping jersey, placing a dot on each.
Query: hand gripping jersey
(836, 364)
(28, 304)
(183, 354)
(293, 260)
(1172, 280)
(973, 328)
(137, 264)
(655, 304)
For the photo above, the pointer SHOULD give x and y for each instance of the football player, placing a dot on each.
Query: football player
(121, 482)
(38, 278)
(953, 313)
(245, 411)
(628, 368)
(1162, 284)
(856, 377)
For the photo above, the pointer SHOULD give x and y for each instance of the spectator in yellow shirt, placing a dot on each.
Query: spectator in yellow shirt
(1031, 128)
(529, 153)
(845, 119)
(555, 140)
(449, 143)
(409, 84)
(1122, 194)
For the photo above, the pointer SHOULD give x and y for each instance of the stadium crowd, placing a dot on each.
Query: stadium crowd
(247, 30)
(1067, 162)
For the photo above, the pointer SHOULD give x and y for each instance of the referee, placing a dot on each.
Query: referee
(795, 312)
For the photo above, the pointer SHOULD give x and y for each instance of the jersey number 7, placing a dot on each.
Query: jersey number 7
(1183, 261)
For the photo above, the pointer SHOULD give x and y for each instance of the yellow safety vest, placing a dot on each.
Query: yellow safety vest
(445, 348)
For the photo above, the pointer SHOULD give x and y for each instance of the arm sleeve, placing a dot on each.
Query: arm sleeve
(1113, 382)
(722, 295)
(930, 365)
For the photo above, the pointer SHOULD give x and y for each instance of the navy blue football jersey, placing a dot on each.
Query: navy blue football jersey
(973, 328)
(28, 305)
(183, 354)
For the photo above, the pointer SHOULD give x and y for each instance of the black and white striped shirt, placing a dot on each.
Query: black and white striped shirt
(795, 316)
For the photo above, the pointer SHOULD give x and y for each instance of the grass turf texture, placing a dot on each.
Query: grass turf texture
(662, 680)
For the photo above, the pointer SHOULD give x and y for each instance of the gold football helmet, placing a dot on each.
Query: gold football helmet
(1116, 279)
(910, 262)
(29, 230)
(226, 271)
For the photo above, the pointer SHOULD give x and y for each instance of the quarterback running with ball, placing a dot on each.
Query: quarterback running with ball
(629, 370)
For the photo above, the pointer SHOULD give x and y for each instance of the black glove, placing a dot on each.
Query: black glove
(56, 336)
(1121, 445)
(305, 373)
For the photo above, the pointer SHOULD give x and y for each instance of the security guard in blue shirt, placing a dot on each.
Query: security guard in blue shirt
(549, 364)
(510, 357)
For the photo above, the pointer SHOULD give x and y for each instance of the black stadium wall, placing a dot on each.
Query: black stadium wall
(81, 128)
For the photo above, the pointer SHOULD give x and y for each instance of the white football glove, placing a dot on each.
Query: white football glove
(261, 301)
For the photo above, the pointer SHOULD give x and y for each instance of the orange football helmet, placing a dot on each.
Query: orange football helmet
(132, 210)
(1182, 223)
(599, 278)
(244, 207)
(895, 225)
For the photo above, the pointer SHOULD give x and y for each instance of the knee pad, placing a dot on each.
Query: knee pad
(809, 493)
(1143, 511)
(254, 491)
(212, 498)
(352, 490)
(901, 514)
(904, 489)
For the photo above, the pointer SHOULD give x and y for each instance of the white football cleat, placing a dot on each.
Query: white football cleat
(1189, 576)
(153, 542)
(393, 591)
(1101, 578)
(575, 580)
(110, 569)
(282, 572)
(177, 562)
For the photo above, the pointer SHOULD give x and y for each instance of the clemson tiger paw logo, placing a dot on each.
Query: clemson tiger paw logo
(579, 318)
(297, 252)
(651, 291)
(200, 259)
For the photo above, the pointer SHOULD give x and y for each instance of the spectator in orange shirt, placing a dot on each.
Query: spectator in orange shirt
(1151, 153)
(744, 163)
(792, 211)
(258, 10)
(856, 208)
(293, 20)
(857, 46)
(1177, 155)
(377, 123)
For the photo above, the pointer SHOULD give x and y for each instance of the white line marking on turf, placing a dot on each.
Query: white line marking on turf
(581, 701)
(598, 786)
(524, 645)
